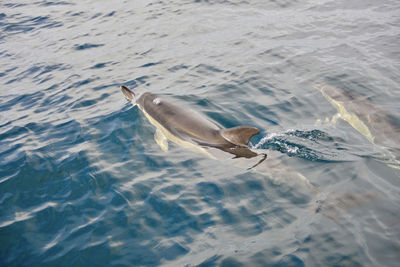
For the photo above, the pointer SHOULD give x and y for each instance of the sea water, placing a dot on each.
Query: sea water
(83, 183)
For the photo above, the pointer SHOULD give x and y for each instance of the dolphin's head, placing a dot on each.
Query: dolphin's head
(331, 91)
(128, 94)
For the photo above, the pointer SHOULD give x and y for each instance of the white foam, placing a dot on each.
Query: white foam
(265, 139)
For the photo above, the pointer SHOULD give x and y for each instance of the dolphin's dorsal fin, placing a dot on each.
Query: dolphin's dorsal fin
(240, 135)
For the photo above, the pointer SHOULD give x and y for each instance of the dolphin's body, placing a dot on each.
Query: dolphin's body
(189, 129)
(370, 120)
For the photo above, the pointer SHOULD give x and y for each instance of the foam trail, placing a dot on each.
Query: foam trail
(270, 136)
(265, 139)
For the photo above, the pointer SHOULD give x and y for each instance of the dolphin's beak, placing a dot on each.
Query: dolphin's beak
(316, 86)
(128, 93)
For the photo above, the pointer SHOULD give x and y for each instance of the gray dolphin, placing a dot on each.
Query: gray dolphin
(189, 129)
(369, 119)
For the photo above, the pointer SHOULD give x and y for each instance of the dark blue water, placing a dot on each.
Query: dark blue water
(83, 183)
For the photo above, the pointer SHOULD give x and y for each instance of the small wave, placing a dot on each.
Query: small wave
(86, 46)
(25, 215)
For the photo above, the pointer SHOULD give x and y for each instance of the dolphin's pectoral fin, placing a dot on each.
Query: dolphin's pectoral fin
(161, 140)
(329, 121)
(335, 118)
(240, 135)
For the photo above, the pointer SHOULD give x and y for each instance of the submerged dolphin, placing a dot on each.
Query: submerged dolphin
(370, 120)
(189, 129)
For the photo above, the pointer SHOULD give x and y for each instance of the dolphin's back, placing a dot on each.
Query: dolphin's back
(180, 121)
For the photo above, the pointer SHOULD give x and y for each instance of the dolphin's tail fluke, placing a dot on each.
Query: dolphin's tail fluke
(128, 93)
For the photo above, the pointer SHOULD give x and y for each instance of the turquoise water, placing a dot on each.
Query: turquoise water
(83, 183)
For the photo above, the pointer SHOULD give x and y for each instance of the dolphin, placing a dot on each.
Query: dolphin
(189, 129)
(369, 119)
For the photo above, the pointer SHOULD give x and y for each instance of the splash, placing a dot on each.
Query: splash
(265, 139)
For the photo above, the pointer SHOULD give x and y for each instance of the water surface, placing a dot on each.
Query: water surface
(82, 181)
